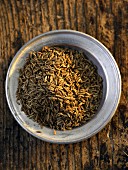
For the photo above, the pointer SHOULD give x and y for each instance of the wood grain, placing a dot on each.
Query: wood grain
(106, 20)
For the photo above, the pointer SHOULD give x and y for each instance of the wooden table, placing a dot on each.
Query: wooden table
(106, 20)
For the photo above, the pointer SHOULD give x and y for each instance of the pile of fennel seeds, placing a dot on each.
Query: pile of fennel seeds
(59, 88)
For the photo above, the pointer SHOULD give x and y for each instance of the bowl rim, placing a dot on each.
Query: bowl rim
(115, 105)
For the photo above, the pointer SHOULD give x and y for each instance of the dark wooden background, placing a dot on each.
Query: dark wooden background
(106, 20)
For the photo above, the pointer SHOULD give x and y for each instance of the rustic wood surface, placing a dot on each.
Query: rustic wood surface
(106, 20)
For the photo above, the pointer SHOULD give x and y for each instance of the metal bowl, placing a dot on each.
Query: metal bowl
(107, 68)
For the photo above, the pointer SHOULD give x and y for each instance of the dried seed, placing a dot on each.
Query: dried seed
(59, 87)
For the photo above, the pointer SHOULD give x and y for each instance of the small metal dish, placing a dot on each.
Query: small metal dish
(107, 68)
